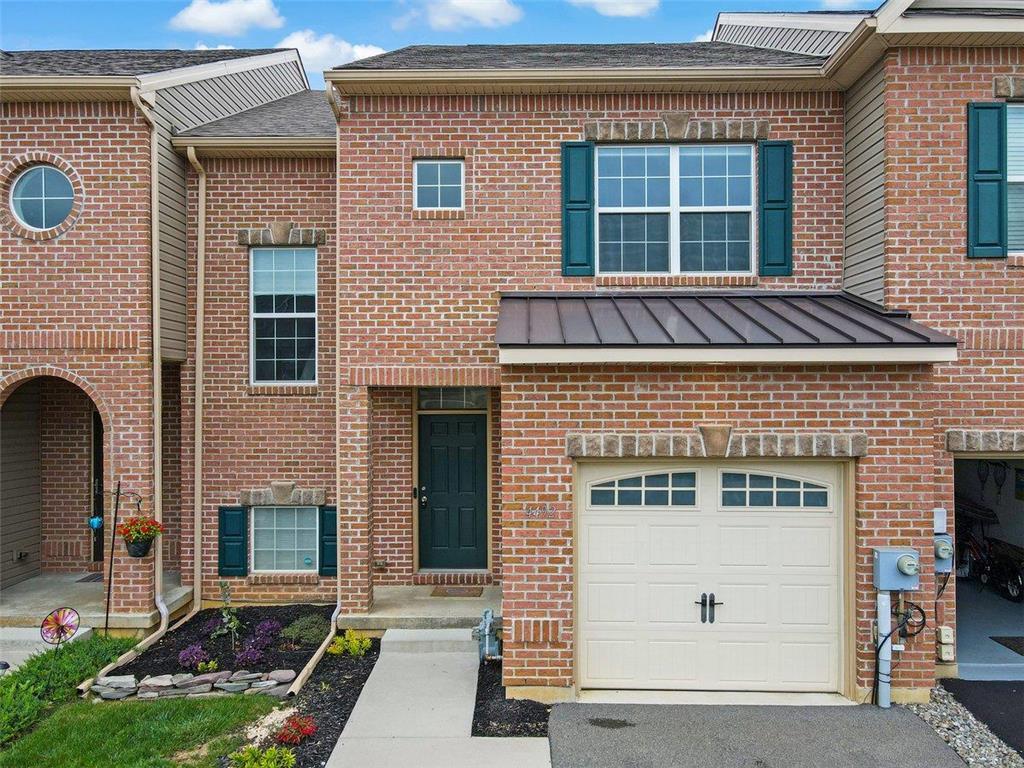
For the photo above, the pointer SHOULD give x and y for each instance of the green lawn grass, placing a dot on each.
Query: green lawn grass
(135, 734)
(50, 678)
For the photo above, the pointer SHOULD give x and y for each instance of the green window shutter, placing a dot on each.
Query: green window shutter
(775, 207)
(986, 180)
(578, 208)
(328, 541)
(233, 541)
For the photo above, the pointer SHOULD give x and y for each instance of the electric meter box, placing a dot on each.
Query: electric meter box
(943, 553)
(896, 569)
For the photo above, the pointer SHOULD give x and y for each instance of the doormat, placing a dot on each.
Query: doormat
(457, 592)
(1015, 644)
(90, 578)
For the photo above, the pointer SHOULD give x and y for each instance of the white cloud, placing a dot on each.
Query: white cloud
(619, 7)
(228, 17)
(320, 52)
(222, 47)
(704, 37)
(458, 14)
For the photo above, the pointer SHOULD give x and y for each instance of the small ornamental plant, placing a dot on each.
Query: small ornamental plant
(207, 666)
(349, 644)
(295, 729)
(248, 657)
(254, 757)
(138, 532)
(193, 656)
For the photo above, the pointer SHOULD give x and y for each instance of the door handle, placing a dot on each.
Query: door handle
(703, 603)
(711, 607)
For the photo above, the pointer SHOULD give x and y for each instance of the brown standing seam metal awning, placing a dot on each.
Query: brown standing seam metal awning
(751, 327)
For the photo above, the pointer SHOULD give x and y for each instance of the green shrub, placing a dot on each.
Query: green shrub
(349, 644)
(254, 757)
(310, 629)
(48, 678)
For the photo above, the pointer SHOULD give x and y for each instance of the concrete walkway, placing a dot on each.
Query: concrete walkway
(417, 709)
(17, 644)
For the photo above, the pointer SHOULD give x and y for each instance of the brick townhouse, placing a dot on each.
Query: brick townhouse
(649, 344)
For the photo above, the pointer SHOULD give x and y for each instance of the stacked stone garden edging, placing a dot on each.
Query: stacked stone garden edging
(118, 687)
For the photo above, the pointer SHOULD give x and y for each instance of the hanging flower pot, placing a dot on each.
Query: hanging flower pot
(138, 533)
(139, 548)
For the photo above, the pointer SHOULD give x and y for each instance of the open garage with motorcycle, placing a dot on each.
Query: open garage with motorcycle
(990, 568)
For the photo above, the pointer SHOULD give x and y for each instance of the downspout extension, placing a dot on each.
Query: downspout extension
(197, 425)
(154, 229)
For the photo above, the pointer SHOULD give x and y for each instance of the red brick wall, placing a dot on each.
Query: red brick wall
(423, 292)
(254, 435)
(171, 413)
(78, 307)
(980, 301)
(540, 405)
(65, 447)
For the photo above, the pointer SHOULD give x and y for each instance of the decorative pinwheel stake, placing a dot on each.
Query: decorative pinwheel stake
(58, 627)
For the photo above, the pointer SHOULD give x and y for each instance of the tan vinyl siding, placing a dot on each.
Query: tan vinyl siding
(864, 247)
(20, 496)
(813, 42)
(180, 108)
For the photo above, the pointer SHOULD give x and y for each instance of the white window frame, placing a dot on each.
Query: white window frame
(1012, 179)
(14, 186)
(253, 315)
(417, 163)
(674, 209)
(252, 541)
(594, 485)
(828, 488)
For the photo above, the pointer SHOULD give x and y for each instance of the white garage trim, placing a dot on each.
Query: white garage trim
(838, 660)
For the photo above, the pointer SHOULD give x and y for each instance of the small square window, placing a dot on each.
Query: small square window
(438, 185)
(285, 539)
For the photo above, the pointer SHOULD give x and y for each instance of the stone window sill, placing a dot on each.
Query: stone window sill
(702, 281)
(265, 579)
(283, 391)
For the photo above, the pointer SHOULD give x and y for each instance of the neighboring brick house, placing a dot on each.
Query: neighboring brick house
(661, 339)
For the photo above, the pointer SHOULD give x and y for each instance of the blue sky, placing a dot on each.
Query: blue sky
(333, 32)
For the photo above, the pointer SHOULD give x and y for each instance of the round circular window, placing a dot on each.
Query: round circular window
(41, 197)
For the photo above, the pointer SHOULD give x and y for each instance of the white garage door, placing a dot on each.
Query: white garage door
(763, 538)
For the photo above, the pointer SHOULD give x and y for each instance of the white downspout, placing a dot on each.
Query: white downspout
(154, 227)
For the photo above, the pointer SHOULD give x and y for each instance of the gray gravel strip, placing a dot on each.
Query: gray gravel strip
(971, 739)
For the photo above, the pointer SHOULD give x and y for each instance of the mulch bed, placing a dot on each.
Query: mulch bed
(162, 657)
(329, 696)
(494, 715)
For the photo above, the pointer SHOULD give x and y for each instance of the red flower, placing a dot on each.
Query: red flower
(140, 528)
(295, 729)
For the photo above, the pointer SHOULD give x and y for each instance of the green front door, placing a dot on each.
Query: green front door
(453, 490)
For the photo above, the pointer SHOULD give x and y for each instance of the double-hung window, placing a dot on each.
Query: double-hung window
(1015, 177)
(283, 315)
(680, 209)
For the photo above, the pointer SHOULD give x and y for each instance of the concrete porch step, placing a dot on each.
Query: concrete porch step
(428, 641)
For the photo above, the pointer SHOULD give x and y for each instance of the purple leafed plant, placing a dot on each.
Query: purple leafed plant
(265, 634)
(212, 625)
(249, 657)
(191, 657)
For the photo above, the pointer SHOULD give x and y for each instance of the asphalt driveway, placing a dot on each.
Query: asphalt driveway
(661, 736)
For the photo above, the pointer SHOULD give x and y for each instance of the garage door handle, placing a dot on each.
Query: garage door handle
(711, 608)
(703, 603)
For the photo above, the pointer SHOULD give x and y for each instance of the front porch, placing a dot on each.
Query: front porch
(27, 603)
(424, 607)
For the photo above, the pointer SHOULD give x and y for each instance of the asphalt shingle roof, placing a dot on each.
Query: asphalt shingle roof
(302, 114)
(114, 63)
(611, 56)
